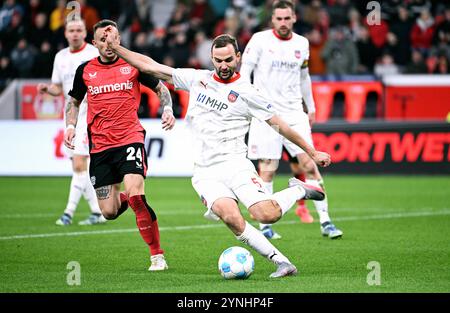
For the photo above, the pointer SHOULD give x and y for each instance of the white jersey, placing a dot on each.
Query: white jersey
(219, 114)
(276, 64)
(64, 68)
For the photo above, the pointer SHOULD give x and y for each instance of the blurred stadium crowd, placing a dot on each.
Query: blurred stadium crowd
(412, 36)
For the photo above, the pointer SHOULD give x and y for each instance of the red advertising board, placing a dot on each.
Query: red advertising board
(417, 97)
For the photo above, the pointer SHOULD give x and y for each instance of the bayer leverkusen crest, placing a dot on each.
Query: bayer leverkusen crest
(232, 96)
(298, 54)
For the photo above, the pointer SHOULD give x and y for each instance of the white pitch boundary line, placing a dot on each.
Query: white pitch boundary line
(129, 230)
(178, 212)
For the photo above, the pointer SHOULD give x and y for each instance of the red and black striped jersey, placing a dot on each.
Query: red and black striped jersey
(113, 96)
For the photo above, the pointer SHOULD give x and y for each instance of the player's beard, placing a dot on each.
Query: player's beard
(284, 32)
(225, 75)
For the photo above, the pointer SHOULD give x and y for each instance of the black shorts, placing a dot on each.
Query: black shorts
(110, 166)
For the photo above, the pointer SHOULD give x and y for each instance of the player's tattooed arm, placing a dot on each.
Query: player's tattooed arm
(103, 193)
(167, 118)
(72, 109)
(164, 96)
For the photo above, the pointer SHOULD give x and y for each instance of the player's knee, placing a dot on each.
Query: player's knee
(266, 212)
(79, 164)
(231, 218)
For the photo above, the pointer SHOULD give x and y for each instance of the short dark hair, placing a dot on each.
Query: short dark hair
(283, 4)
(223, 40)
(104, 23)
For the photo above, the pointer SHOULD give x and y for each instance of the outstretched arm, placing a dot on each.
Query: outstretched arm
(321, 158)
(141, 62)
(51, 89)
(306, 87)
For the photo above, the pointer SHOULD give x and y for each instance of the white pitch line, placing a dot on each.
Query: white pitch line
(177, 212)
(129, 230)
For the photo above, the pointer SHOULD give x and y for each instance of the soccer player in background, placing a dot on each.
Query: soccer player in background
(278, 59)
(116, 137)
(66, 62)
(220, 107)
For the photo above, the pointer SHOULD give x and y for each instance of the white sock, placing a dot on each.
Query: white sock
(321, 206)
(256, 240)
(286, 198)
(76, 190)
(269, 188)
(90, 196)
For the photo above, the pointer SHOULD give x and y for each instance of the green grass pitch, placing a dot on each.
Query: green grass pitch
(401, 222)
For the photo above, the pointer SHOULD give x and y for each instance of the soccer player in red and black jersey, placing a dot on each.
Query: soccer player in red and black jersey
(116, 137)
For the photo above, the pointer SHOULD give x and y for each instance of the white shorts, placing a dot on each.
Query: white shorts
(266, 143)
(81, 141)
(236, 179)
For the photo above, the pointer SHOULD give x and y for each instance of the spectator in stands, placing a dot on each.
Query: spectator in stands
(442, 34)
(201, 57)
(90, 16)
(417, 6)
(201, 16)
(23, 58)
(7, 72)
(340, 53)
(417, 64)
(219, 7)
(141, 44)
(367, 52)
(310, 13)
(58, 16)
(158, 46)
(40, 32)
(399, 36)
(7, 11)
(13, 32)
(378, 29)
(355, 24)
(43, 64)
(179, 50)
(386, 66)
(422, 32)
(316, 44)
(179, 21)
(442, 65)
(339, 13)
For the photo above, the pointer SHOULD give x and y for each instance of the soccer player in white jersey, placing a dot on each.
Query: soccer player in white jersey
(65, 64)
(278, 58)
(220, 107)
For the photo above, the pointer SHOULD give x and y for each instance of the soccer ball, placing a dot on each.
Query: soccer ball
(236, 263)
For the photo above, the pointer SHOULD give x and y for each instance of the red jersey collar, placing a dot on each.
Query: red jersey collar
(79, 50)
(231, 80)
(279, 37)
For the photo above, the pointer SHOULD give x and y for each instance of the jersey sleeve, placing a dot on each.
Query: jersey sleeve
(56, 78)
(258, 105)
(184, 78)
(252, 52)
(79, 88)
(305, 52)
(148, 80)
